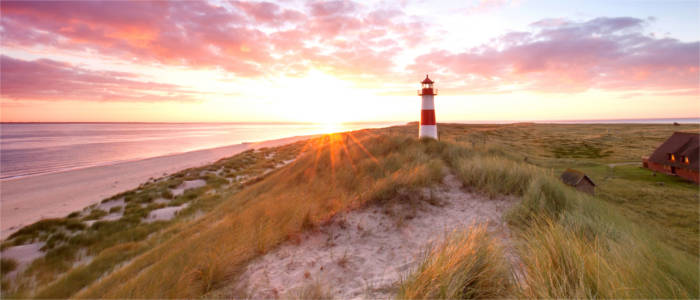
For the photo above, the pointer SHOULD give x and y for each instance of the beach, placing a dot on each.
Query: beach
(26, 200)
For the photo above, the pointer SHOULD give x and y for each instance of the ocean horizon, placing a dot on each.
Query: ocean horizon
(34, 148)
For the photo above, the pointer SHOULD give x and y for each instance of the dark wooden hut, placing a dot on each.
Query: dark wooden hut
(579, 180)
(677, 156)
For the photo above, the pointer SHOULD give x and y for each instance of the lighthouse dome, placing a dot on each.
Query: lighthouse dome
(427, 80)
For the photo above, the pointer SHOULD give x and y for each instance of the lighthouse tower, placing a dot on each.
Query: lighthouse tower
(427, 129)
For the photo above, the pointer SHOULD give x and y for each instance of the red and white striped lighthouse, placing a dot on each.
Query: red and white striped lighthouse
(427, 129)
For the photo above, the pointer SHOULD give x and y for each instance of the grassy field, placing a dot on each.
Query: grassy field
(638, 237)
(664, 205)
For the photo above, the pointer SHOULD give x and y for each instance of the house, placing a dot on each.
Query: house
(579, 180)
(677, 156)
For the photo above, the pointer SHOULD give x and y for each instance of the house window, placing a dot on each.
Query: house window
(686, 160)
(672, 157)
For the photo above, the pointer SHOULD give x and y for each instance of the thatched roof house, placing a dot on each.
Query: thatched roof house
(579, 180)
(678, 155)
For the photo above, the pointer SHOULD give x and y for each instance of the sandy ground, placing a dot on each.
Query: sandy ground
(26, 200)
(23, 255)
(188, 184)
(364, 253)
(165, 213)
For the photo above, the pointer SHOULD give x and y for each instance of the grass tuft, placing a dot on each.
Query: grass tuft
(495, 175)
(468, 264)
(315, 291)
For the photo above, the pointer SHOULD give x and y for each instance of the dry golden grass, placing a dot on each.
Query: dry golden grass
(468, 264)
(335, 173)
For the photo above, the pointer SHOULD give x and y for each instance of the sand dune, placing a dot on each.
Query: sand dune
(364, 253)
(29, 199)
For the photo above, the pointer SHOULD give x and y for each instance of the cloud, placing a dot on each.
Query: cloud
(332, 8)
(269, 13)
(352, 40)
(46, 79)
(567, 56)
(483, 6)
(248, 39)
(191, 33)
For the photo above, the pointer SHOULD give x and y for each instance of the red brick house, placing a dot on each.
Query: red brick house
(678, 156)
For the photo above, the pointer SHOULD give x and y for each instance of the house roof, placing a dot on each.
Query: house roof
(574, 177)
(682, 144)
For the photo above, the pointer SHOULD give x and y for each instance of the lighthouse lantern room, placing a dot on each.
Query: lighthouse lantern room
(428, 127)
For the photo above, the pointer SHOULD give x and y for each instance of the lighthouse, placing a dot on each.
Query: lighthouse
(427, 129)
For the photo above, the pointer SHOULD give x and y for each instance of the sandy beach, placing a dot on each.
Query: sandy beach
(26, 200)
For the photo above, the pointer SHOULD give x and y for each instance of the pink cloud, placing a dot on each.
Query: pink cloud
(179, 32)
(351, 40)
(268, 12)
(565, 56)
(46, 79)
(332, 8)
(202, 35)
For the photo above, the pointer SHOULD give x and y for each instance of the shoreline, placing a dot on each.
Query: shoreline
(27, 199)
(115, 162)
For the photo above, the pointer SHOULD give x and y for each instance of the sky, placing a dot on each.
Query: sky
(347, 61)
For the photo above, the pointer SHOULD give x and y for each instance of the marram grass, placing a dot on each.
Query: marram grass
(570, 245)
(468, 264)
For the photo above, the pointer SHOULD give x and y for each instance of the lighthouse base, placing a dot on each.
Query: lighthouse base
(428, 131)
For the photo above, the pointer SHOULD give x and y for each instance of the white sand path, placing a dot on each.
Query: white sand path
(364, 253)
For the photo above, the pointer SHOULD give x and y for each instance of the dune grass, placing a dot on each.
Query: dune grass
(468, 264)
(312, 291)
(577, 246)
(571, 245)
(70, 239)
(335, 173)
(564, 262)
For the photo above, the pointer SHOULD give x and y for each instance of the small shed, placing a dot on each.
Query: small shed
(579, 180)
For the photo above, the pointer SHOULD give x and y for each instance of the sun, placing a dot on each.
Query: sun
(331, 127)
(318, 97)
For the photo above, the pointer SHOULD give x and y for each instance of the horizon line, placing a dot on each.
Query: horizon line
(358, 122)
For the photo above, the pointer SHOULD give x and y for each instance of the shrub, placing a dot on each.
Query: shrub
(95, 214)
(167, 194)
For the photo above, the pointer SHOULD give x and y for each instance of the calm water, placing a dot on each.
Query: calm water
(28, 149)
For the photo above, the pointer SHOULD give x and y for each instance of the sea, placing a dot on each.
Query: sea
(36, 148)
